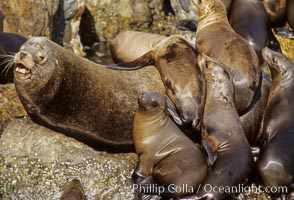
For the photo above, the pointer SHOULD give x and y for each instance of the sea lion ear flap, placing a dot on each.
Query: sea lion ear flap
(210, 150)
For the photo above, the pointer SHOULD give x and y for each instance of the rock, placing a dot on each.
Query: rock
(10, 105)
(29, 17)
(37, 163)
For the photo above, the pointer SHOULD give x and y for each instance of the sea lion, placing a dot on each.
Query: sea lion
(176, 61)
(130, 45)
(249, 19)
(78, 97)
(275, 165)
(276, 11)
(9, 45)
(231, 49)
(224, 140)
(164, 152)
(290, 13)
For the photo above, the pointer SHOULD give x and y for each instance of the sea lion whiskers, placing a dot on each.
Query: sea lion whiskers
(9, 60)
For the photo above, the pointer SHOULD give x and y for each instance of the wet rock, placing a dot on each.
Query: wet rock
(10, 105)
(37, 163)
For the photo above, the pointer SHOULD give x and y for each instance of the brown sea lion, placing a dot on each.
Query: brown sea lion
(9, 45)
(276, 166)
(222, 134)
(276, 11)
(176, 61)
(79, 98)
(130, 45)
(164, 151)
(216, 38)
(290, 13)
(249, 19)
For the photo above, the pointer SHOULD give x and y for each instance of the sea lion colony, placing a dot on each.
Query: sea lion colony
(239, 106)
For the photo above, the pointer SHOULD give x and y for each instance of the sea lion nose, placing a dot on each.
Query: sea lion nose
(22, 55)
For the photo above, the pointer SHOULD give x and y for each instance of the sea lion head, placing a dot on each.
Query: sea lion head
(35, 62)
(217, 78)
(207, 7)
(276, 61)
(151, 102)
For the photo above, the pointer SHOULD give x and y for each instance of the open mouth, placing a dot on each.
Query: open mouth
(21, 69)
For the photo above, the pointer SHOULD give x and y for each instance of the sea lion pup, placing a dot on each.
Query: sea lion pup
(222, 134)
(249, 19)
(164, 152)
(217, 39)
(276, 11)
(78, 97)
(130, 45)
(9, 45)
(176, 61)
(276, 166)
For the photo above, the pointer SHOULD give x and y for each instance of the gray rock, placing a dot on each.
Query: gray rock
(37, 163)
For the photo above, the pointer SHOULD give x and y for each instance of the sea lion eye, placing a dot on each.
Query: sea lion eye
(41, 57)
(154, 104)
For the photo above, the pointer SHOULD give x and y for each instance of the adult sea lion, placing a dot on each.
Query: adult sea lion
(276, 11)
(275, 165)
(249, 19)
(176, 61)
(231, 49)
(222, 134)
(9, 45)
(130, 45)
(79, 98)
(164, 151)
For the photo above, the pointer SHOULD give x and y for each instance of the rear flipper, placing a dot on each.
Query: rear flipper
(140, 62)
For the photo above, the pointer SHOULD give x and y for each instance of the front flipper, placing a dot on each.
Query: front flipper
(211, 152)
(172, 112)
(144, 187)
(140, 62)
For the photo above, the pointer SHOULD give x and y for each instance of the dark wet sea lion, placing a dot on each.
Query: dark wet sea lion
(276, 166)
(249, 19)
(290, 13)
(130, 45)
(231, 49)
(176, 61)
(79, 98)
(222, 134)
(163, 150)
(252, 119)
(9, 45)
(276, 11)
